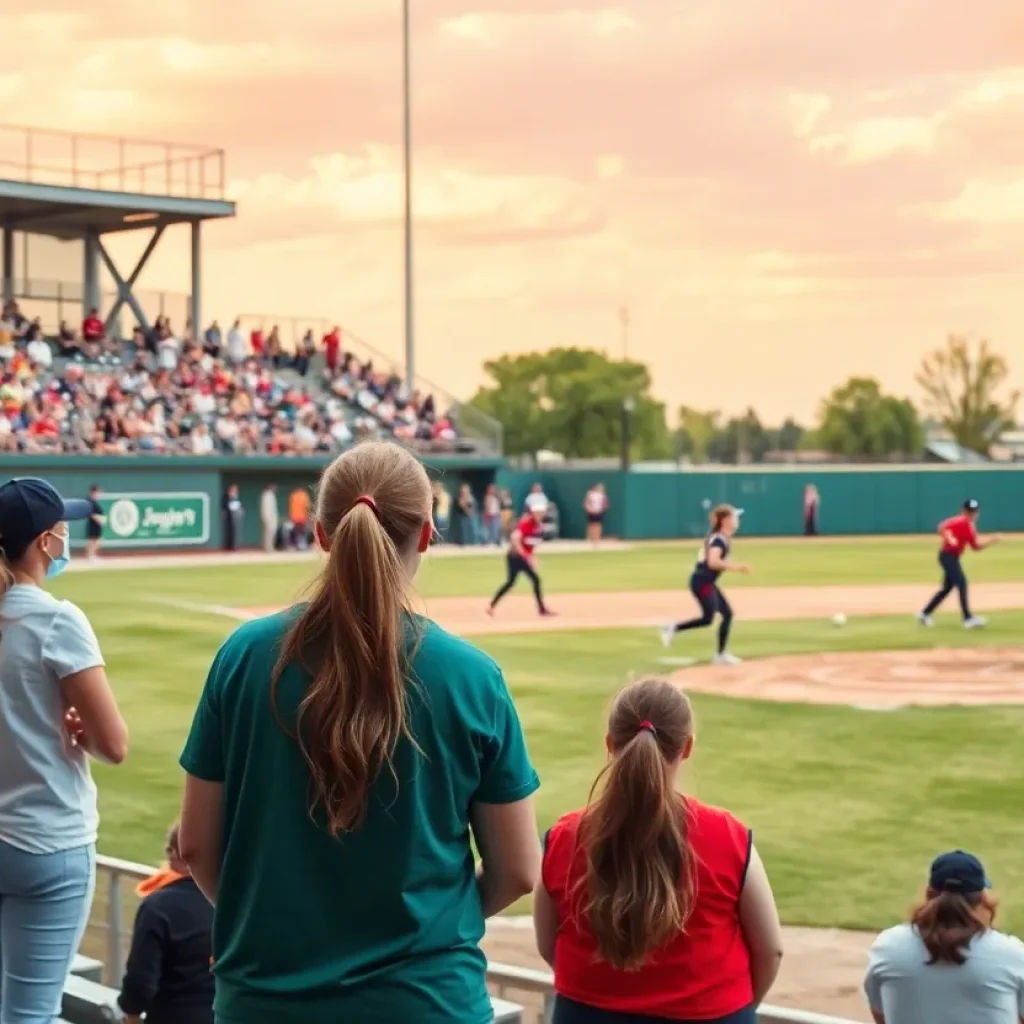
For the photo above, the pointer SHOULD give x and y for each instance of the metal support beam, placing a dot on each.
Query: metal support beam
(8, 264)
(90, 271)
(125, 293)
(410, 346)
(196, 301)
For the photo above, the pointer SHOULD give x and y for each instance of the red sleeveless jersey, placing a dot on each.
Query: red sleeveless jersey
(703, 972)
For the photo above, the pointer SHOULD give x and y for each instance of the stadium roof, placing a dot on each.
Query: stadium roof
(67, 212)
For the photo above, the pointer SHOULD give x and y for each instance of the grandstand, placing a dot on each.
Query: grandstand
(109, 390)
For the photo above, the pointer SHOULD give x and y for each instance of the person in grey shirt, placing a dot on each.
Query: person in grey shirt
(948, 965)
(56, 710)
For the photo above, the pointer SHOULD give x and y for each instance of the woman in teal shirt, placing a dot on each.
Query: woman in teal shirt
(342, 754)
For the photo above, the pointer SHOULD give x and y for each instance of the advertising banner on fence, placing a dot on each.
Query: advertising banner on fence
(138, 519)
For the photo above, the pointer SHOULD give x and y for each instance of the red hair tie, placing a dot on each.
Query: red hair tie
(365, 499)
(646, 726)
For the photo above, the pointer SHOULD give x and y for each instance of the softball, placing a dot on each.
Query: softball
(839, 619)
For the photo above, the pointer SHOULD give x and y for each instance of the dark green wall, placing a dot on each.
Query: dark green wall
(73, 476)
(647, 505)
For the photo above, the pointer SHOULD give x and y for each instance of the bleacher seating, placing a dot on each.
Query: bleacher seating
(159, 394)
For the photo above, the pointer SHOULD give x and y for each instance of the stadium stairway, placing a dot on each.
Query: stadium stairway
(86, 1001)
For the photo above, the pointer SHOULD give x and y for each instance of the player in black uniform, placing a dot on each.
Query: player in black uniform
(711, 563)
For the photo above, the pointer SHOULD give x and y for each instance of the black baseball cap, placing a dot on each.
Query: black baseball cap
(29, 507)
(971, 505)
(958, 872)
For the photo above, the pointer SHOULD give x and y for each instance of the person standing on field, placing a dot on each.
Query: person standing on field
(269, 516)
(958, 533)
(345, 756)
(595, 505)
(812, 505)
(94, 524)
(56, 712)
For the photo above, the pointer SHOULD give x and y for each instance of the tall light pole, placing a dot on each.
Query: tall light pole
(410, 369)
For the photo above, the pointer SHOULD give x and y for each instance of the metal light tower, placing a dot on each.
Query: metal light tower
(410, 370)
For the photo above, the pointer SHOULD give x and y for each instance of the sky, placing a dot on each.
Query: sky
(782, 193)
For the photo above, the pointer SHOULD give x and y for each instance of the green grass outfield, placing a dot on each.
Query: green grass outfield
(847, 806)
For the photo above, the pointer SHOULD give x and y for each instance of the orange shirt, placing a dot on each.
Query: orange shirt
(298, 506)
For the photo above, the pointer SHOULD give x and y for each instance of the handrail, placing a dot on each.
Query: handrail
(502, 977)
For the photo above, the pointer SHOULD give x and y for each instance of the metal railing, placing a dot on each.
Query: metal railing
(108, 939)
(42, 156)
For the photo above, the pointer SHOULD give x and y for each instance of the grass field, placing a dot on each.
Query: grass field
(847, 806)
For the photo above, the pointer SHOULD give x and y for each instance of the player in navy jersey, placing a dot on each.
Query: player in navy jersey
(712, 561)
(520, 558)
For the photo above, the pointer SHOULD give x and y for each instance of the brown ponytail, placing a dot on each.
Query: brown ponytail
(638, 889)
(719, 514)
(6, 573)
(948, 921)
(353, 637)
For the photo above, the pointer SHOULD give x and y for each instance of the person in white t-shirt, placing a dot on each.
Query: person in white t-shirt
(56, 710)
(237, 348)
(948, 965)
(595, 505)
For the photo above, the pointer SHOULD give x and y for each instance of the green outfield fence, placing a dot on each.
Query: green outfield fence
(646, 505)
(155, 502)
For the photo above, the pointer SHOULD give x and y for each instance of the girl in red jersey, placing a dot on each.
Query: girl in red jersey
(520, 558)
(653, 907)
(958, 533)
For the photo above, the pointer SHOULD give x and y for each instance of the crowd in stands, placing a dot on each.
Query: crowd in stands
(223, 393)
(358, 799)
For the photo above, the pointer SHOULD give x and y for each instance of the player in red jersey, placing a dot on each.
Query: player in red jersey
(958, 533)
(520, 558)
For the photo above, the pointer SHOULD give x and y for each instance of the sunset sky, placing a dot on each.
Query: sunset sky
(783, 192)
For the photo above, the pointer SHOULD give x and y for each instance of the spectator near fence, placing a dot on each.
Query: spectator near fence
(652, 906)
(948, 965)
(167, 976)
(333, 827)
(58, 710)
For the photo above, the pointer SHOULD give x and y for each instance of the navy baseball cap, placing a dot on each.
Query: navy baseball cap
(958, 872)
(971, 505)
(29, 507)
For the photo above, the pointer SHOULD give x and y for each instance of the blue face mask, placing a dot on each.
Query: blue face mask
(62, 561)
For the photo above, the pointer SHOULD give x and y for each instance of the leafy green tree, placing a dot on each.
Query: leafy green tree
(858, 420)
(961, 385)
(571, 400)
(696, 429)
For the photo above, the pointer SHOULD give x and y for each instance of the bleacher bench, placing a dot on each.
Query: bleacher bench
(506, 1012)
(88, 1002)
(88, 968)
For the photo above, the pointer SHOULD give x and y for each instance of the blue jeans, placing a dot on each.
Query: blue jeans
(44, 906)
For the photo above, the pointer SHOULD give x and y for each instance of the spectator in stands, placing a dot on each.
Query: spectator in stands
(275, 349)
(236, 344)
(167, 976)
(334, 829)
(94, 331)
(58, 711)
(948, 965)
(305, 353)
(652, 905)
(67, 339)
(212, 340)
(332, 348)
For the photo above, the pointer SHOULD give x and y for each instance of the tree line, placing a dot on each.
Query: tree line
(578, 402)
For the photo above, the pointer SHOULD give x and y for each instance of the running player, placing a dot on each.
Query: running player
(711, 563)
(520, 558)
(958, 533)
